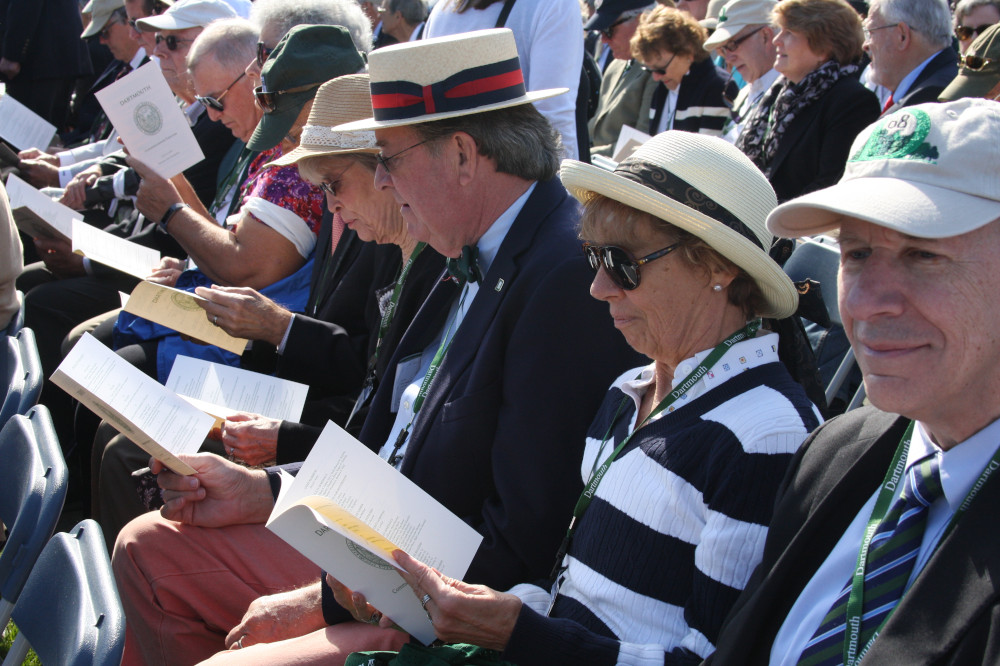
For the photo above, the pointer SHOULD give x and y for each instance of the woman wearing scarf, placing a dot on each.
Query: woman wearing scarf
(802, 130)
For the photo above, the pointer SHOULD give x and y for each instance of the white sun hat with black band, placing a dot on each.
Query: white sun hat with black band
(927, 171)
(705, 186)
(445, 77)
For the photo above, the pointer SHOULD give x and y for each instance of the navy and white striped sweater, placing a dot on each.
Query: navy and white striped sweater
(675, 529)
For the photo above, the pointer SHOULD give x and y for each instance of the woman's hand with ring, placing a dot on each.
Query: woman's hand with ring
(462, 613)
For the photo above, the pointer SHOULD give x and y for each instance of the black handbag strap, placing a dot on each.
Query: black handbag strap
(504, 13)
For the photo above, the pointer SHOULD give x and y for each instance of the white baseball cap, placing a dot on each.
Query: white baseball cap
(927, 171)
(187, 14)
(736, 15)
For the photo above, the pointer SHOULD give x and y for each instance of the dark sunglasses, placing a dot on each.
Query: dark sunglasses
(216, 102)
(171, 40)
(661, 71)
(268, 100)
(965, 32)
(622, 267)
(733, 44)
(973, 63)
(262, 53)
(609, 32)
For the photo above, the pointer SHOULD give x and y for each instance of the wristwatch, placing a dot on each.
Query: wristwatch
(169, 214)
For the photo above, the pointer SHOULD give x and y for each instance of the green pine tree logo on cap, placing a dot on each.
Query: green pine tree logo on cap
(900, 136)
(722, 16)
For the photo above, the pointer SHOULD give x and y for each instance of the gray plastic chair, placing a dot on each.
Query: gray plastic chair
(22, 368)
(70, 611)
(33, 478)
(819, 259)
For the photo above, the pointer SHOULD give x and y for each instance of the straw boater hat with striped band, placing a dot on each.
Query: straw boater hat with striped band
(445, 77)
(703, 185)
(338, 101)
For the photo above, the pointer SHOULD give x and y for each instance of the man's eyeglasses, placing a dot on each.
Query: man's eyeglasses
(660, 71)
(964, 32)
(609, 32)
(733, 44)
(973, 63)
(262, 53)
(868, 31)
(171, 40)
(216, 102)
(622, 267)
(384, 161)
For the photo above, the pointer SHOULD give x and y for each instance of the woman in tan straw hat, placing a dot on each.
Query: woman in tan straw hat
(683, 460)
(343, 166)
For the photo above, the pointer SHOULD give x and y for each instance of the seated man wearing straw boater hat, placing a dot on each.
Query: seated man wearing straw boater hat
(883, 547)
(500, 372)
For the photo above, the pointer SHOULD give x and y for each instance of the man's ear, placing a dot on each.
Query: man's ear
(468, 157)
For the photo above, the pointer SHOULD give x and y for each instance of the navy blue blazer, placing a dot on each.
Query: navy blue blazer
(500, 436)
(44, 37)
(934, 78)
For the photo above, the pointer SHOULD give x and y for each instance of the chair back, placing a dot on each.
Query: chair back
(11, 374)
(33, 479)
(70, 611)
(33, 375)
(817, 259)
(17, 321)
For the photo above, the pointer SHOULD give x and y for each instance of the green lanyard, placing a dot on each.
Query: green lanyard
(390, 309)
(855, 602)
(236, 175)
(597, 475)
(428, 380)
(387, 316)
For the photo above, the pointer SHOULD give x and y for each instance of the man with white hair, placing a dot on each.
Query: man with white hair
(744, 38)
(883, 546)
(274, 18)
(909, 42)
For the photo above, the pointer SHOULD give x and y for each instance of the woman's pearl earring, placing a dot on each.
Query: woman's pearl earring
(717, 287)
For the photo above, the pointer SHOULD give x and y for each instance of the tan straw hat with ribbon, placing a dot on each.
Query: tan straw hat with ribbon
(705, 186)
(446, 77)
(338, 101)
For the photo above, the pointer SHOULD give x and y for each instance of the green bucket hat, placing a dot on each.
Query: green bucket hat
(978, 70)
(305, 58)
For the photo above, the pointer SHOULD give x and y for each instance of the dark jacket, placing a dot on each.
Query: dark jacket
(815, 147)
(44, 37)
(934, 78)
(331, 354)
(950, 615)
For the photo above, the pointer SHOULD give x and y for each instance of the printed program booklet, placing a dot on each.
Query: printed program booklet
(347, 510)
